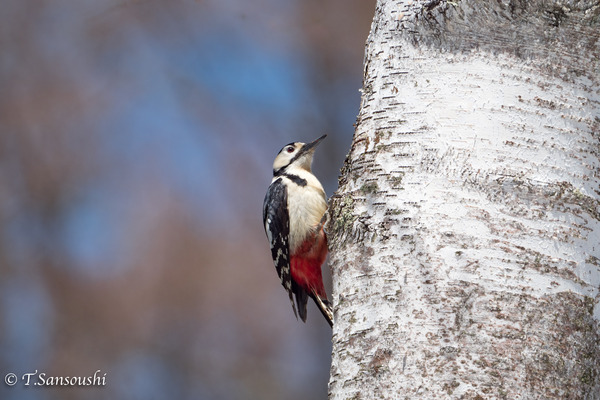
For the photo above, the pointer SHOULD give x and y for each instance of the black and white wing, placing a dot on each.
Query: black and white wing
(277, 226)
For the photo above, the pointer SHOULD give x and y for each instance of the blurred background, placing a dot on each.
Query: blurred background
(136, 144)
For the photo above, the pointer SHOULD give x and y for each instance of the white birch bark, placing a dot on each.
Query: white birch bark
(465, 233)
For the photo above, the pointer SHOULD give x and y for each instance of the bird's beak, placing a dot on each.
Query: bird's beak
(311, 146)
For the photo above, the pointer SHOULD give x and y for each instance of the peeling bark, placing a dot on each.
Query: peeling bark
(465, 233)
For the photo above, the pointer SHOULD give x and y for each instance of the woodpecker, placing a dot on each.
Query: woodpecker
(293, 216)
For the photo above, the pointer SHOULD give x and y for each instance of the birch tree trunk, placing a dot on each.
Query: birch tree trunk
(465, 233)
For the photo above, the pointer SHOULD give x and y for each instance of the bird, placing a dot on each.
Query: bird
(294, 214)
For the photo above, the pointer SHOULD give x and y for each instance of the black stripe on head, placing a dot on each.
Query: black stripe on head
(280, 171)
(299, 154)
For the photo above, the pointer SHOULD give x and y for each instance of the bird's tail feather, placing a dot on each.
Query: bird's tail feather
(301, 300)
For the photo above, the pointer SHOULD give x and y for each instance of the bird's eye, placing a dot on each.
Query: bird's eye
(290, 149)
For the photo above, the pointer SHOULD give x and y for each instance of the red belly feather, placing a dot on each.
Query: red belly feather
(306, 264)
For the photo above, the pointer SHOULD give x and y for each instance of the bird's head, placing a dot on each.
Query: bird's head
(296, 155)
